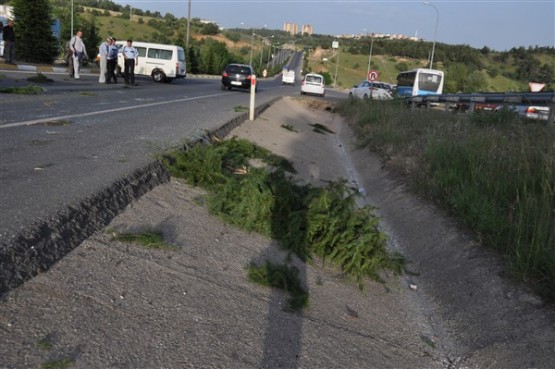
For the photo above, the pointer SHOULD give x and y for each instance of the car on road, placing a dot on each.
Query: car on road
(533, 112)
(374, 90)
(238, 76)
(313, 84)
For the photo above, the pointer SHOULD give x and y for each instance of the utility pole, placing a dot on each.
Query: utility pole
(370, 55)
(435, 32)
(71, 18)
(188, 27)
(335, 45)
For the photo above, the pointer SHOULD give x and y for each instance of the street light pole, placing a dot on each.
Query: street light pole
(370, 55)
(71, 18)
(188, 26)
(435, 32)
(252, 45)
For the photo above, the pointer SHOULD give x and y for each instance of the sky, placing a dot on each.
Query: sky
(499, 25)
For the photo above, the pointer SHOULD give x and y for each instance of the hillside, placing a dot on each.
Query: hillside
(467, 69)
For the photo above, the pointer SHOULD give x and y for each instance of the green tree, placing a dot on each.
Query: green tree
(35, 41)
(209, 29)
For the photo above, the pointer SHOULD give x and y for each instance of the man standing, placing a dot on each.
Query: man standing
(77, 47)
(112, 61)
(131, 57)
(9, 42)
(103, 51)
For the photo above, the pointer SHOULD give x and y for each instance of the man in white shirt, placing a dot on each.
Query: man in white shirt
(103, 50)
(77, 47)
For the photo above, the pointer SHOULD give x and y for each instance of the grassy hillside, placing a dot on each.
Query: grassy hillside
(468, 70)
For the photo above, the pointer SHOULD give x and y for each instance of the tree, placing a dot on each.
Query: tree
(35, 41)
(210, 29)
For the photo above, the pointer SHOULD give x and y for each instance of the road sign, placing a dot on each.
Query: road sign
(372, 75)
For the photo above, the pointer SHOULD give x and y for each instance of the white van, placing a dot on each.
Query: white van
(163, 63)
(313, 84)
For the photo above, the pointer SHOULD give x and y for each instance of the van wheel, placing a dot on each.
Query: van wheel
(158, 76)
(119, 72)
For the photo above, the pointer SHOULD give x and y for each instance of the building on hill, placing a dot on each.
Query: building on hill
(292, 28)
(307, 28)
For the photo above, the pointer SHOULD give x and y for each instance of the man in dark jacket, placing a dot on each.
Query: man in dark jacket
(9, 42)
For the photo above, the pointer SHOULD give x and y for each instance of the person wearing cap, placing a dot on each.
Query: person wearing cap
(131, 58)
(103, 51)
(112, 61)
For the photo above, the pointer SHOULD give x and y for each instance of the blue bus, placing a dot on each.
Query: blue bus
(420, 81)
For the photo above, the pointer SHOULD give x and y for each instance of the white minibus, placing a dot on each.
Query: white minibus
(162, 62)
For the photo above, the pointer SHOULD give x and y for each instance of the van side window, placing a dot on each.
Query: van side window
(160, 54)
(141, 50)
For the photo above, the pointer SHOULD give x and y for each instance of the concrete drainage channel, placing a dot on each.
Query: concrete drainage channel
(35, 249)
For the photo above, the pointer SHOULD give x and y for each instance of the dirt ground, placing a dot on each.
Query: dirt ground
(114, 305)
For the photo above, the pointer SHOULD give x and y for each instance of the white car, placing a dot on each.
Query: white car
(372, 90)
(313, 84)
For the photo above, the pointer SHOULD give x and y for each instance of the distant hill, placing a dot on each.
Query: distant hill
(467, 69)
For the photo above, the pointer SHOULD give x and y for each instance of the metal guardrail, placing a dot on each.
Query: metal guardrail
(469, 101)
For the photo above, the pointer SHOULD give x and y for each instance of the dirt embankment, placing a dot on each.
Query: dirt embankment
(114, 305)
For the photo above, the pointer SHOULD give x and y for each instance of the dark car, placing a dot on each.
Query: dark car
(237, 75)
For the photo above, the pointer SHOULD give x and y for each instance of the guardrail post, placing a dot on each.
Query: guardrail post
(551, 117)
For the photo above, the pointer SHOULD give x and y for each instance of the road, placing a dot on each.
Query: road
(72, 141)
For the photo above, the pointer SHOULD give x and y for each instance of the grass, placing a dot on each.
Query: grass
(288, 127)
(45, 343)
(240, 109)
(150, 239)
(283, 277)
(40, 78)
(307, 221)
(26, 90)
(57, 364)
(493, 172)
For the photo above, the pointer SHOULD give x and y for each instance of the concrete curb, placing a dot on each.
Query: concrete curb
(38, 68)
(61, 69)
(39, 246)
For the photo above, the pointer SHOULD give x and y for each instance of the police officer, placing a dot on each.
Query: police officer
(131, 59)
(112, 61)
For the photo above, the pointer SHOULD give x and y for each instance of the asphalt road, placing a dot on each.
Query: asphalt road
(61, 146)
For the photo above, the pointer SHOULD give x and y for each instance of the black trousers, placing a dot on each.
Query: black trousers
(129, 70)
(111, 70)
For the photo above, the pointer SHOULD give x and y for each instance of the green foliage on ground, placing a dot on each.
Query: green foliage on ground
(283, 277)
(150, 239)
(27, 90)
(493, 171)
(307, 221)
(40, 78)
